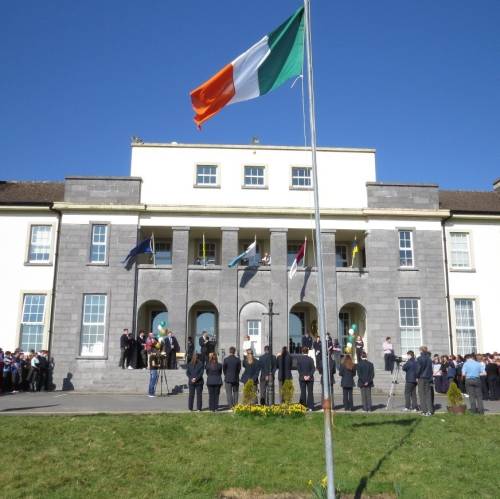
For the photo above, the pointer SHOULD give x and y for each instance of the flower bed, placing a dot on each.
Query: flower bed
(270, 410)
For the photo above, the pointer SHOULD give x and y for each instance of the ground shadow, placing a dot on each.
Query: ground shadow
(247, 276)
(67, 385)
(413, 423)
(307, 274)
(10, 409)
(399, 422)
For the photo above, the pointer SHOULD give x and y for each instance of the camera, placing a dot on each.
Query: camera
(398, 360)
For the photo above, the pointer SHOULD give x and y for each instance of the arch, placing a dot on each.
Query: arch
(302, 317)
(252, 324)
(203, 316)
(349, 314)
(150, 313)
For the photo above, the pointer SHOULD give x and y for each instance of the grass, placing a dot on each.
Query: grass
(199, 455)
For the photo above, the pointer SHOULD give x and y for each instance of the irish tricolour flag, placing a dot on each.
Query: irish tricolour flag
(263, 67)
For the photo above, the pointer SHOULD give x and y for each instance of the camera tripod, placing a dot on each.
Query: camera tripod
(162, 376)
(395, 380)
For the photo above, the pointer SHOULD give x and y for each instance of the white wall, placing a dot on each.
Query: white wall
(483, 282)
(168, 173)
(18, 278)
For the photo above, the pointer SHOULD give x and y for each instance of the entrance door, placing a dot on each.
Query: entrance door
(254, 330)
(296, 328)
(205, 321)
(344, 325)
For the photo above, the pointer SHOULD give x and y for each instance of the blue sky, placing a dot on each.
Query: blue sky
(417, 80)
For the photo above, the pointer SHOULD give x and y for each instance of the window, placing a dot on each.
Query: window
(99, 243)
(254, 329)
(344, 326)
(254, 176)
(409, 324)
(210, 253)
(32, 323)
(341, 256)
(163, 253)
(206, 175)
(291, 251)
(93, 325)
(39, 250)
(405, 248)
(465, 326)
(460, 251)
(301, 176)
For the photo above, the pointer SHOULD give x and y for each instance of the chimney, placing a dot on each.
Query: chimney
(496, 185)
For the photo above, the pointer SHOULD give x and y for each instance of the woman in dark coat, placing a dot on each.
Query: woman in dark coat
(194, 372)
(284, 363)
(347, 372)
(214, 381)
(251, 369)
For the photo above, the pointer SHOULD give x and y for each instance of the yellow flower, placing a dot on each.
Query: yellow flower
(310, 483)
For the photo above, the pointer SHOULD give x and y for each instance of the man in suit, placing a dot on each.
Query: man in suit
(424, 381)
(231, 368)
(366, 373)
(267, 369)
(305, 367)
(410, 368)
(123, 348)
(171, 346)
(203, 342)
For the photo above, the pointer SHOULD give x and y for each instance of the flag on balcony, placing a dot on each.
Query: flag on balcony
(248, 254)
(145, 246)
(298, 258)
(355, 250)
(263, 67)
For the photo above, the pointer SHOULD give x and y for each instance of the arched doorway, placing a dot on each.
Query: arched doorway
(203, 316)
(150, 314)
(303, 317)
(349, 314)
(252, 324)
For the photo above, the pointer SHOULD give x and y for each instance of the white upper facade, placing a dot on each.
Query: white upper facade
(275, 177)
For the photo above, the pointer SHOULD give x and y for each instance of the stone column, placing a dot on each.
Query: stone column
(330, 280)
(279, 287)
(177, 308)
(228, 291)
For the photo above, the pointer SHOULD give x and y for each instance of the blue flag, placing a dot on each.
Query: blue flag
(145, 246)
(249, 254)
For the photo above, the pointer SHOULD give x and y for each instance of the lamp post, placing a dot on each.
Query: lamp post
(270, 385)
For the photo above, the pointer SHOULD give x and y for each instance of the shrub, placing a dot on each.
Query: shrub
(249, 393)
(455, 397)
(287, 392)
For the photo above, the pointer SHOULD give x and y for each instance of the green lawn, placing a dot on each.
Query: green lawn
(198, 455)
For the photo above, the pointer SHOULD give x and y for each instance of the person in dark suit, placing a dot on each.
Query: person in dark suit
(267, 366)
(366, 373)
(305, 367)
(141, 347)
(347, 371)
(203, 342)
(251, 369)
(189, 349)
(131, 352)
(307, 341)
(284, 365)
(410, 368)
(231, 368)
(424, 381)
(123, 348)
(194, 372)
(332, 370)
(214, 381)
(171, 347)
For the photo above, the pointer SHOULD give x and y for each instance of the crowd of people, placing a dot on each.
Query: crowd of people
(25, 371)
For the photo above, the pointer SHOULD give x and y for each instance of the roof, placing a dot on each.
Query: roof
(470, 201)
(31, 193)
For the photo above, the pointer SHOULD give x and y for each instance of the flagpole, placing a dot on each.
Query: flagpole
(153, 248)
(204, 252)
(327, 405)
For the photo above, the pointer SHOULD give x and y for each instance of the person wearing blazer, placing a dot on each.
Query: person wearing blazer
(410, 368)
(347, 371)
(194, 372)
(231, 368)
(333, 369)
(214, 381)
(284, 365)
(251, 369)
(267, 367)
(305, 367)
(366, 373)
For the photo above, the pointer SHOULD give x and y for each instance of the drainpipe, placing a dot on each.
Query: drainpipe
(446, 280)
(54, 279)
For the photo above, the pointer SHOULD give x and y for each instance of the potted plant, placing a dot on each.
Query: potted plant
(455, 399)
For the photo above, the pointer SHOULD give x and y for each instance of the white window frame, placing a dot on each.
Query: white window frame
(410, 249)
(453, 251)
(31, 245)
(250, 328)
(294, 177)
(346, 259)
(211, 255)
(99, 244)
(98, 352)
(248, 178)
(206, 185)
(465, 331)
(168, 248)
(414, 329)
(37, 323)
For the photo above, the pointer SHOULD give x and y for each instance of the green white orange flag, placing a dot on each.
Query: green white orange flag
(263, 67)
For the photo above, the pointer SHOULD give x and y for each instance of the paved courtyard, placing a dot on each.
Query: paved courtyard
(79, 403)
